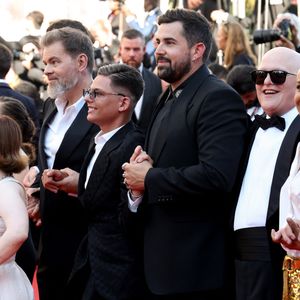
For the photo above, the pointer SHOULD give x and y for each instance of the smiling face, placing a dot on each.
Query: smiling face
(106, 108)
(278, 99)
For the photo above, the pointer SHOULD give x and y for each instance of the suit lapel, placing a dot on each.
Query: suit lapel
(49, 112)
(102, 162)
(85, 164)
(179, 109)
(160, 142)
(283, 164)
(73, 137)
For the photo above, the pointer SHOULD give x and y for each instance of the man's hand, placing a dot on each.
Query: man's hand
(135, 171)
(288, 236)
(65, 180)
(51, 178)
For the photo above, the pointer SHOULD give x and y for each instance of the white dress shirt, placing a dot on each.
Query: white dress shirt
(100, 140)
(253, 202)
(58, 127)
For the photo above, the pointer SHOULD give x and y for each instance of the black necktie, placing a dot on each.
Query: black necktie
(274, 121)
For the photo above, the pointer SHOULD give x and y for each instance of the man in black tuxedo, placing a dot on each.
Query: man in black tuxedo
(194, 145)
(268, 160)
(64, 140)
(108, 264)
(132, 50)
(6, 59)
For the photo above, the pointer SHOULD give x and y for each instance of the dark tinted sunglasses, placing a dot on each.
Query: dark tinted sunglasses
(277, 76)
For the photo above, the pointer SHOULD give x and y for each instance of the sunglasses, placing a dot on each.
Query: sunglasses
(277, 76)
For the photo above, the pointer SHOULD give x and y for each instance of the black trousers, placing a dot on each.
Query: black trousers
(205, 295)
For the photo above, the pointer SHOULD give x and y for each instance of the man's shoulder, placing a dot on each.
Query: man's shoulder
(6, 90)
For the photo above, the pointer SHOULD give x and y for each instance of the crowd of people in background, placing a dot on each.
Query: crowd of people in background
(151, 160)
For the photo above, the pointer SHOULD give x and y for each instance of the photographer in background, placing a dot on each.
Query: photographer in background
(290, 24)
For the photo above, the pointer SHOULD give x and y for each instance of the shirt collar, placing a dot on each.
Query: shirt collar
(61, 104)
(101, 137)
(290, 116)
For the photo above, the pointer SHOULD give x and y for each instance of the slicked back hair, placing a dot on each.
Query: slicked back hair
(125, 77)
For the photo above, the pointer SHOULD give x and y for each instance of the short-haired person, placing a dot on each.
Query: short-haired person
(192, 152)
(131, 51)
(14, 284)
(64, 140)
(273, 141)
(239, 77)
(108, 264)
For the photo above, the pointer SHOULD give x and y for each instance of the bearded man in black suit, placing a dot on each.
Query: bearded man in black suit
(194, 145)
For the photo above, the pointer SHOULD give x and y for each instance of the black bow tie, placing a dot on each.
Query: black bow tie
(274, 121)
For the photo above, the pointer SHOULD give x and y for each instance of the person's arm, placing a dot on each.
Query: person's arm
(14, 214)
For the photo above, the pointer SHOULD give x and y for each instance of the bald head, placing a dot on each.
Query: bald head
(278, 99)
(282, 58)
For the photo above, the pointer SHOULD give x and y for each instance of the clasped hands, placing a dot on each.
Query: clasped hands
(65, 180)
(135, 171)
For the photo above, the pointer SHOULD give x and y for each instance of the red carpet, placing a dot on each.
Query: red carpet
(35, 288)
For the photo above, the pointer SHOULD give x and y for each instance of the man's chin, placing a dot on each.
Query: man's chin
(54, 93)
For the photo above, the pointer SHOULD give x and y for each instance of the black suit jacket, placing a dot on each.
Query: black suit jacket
(151, 95)
(6, 90)
(112, 248)
(63, 220)
(195, 164)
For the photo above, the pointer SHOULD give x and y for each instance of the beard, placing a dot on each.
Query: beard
(132, 63)
(59, 87)
(173, 73)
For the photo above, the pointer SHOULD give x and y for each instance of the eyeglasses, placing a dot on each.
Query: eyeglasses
(98, 93)
(277, 76)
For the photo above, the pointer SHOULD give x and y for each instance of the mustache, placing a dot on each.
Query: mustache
(162, 58)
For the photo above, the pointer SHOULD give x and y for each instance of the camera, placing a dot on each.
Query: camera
(271, 35)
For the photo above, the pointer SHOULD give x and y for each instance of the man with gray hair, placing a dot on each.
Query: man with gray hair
(64, 140)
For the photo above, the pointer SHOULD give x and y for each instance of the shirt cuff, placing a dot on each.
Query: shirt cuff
(133, 202)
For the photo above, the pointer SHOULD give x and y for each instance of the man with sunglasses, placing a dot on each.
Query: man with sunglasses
(273, 140)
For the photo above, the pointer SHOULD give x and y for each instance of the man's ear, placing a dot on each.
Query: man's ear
(82, 61)
(198, 51)
(124, 104)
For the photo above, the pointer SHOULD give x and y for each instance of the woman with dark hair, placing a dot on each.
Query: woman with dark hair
(13, 214)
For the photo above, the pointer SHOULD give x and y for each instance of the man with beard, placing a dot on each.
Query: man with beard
(182, 180)
(64, 140)
(131, 51)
